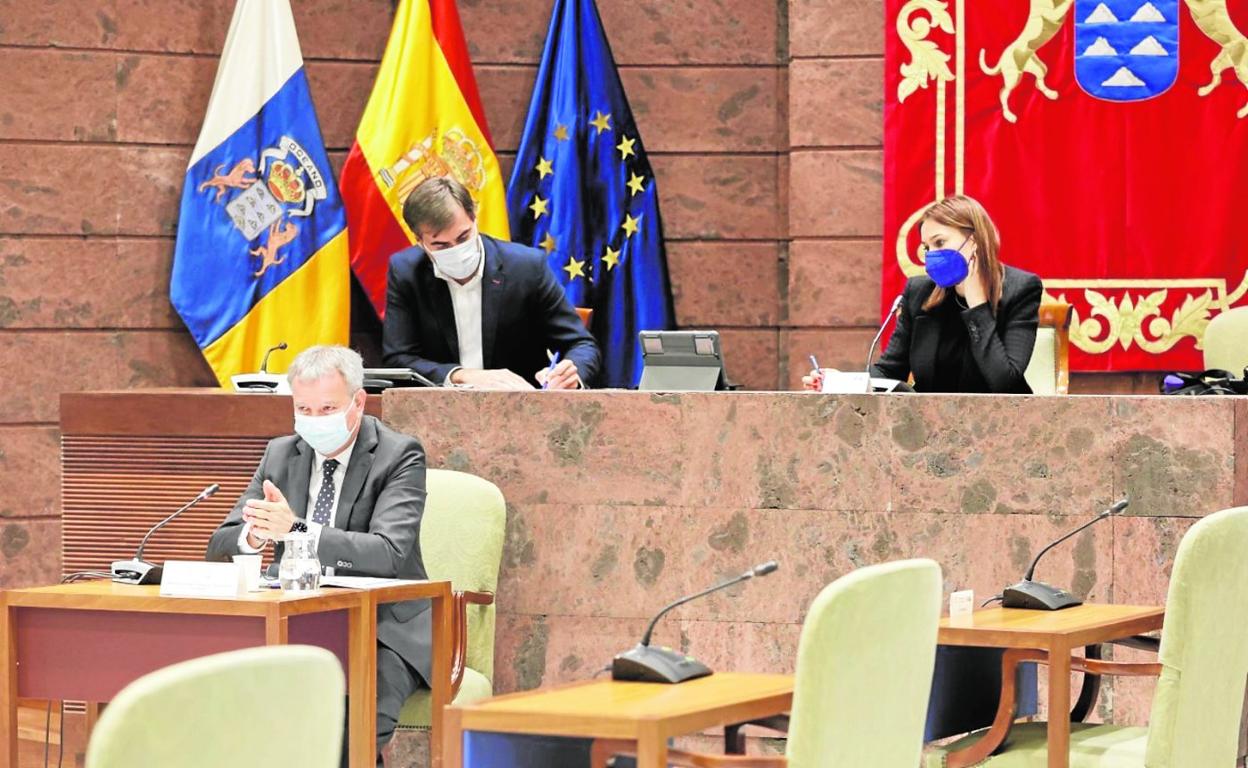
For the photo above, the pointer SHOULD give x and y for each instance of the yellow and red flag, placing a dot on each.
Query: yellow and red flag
(423, 119)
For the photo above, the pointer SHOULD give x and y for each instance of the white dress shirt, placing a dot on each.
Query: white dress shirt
(466, 301)
(314, 488)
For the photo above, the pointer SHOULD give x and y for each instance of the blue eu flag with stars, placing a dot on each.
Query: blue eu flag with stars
(583, 191)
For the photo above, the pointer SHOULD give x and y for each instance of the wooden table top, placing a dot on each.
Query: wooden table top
(1020, 628)
(105, 595)
(610, 709)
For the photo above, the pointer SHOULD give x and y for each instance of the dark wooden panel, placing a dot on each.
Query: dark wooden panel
(114, 489)
(180, 412)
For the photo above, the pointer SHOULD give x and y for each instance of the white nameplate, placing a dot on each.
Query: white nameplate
(961, 606)
(193, 578)
(845, 382)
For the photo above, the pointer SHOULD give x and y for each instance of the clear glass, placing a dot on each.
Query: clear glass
(300, 569)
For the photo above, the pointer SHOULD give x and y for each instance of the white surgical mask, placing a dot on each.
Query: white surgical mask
(458, 262)
(325, 434)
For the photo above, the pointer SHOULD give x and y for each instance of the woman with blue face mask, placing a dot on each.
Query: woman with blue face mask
(969, 323)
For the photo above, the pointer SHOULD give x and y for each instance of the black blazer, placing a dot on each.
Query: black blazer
(999, 346)
(376, 525)
(524, 312)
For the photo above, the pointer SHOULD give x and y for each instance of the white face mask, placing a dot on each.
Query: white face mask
(458, 262)
(325, 434)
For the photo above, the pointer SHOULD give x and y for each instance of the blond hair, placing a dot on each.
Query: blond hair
(320, 361)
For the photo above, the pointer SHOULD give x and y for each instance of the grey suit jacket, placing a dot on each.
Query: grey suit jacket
(376, 525)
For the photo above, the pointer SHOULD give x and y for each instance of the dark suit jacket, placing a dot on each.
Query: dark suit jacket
(1000, 346)
(524, 312)
(376, 525)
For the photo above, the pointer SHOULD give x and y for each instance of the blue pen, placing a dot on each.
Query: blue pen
(554, 360)
(814, 364)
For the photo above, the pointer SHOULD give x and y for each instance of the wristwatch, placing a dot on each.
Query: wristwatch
(299, 526)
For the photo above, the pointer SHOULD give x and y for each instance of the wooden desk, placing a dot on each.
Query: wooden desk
(648, 713)
(87, 641)
(1058, 633)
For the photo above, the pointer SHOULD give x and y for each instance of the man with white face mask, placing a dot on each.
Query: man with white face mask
(466, 309)
(359, 488)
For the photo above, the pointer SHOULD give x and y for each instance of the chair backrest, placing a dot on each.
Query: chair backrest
(461, 539)
(193, 714)
(586, 314)
(1048, 372)
(1195, 720)
(864, 668)
(1226, 341)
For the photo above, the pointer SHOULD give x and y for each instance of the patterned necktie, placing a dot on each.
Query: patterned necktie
(325, 497)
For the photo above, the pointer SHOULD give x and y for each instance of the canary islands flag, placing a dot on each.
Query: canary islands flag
(261, 254)
(583, 190)
(423, 119)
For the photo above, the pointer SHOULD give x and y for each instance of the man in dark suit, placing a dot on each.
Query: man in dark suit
(464, 308)
(358, 488)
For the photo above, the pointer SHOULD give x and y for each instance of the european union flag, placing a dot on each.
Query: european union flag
(582, 190)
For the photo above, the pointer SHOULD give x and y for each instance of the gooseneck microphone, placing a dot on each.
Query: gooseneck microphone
(888, 317)
(1038, 596)
(646, 663)
(264, 364)
(138, 570)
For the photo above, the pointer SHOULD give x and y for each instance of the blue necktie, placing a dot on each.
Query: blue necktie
(325, 497)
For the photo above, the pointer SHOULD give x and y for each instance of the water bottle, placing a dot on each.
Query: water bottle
(300, 569)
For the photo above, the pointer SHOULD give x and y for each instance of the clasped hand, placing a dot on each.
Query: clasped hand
(270, 517)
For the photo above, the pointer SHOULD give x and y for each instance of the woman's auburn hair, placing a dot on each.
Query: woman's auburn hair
(967, 214)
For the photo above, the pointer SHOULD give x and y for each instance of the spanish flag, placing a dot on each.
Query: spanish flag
(261, 253)
(423, 119)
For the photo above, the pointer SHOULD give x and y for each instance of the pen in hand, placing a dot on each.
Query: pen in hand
(554, 360)
(814, 364)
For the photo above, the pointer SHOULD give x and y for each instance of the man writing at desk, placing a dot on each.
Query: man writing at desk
(359, 488)
(464, 308)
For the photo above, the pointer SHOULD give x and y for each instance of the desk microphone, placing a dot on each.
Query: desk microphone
(138, 570)
(888, 317)
(1038, 596)
(264, 364)
(648, 664)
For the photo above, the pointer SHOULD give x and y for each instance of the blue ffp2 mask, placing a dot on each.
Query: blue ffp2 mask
(947, 266)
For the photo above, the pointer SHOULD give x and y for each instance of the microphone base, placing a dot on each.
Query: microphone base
(1037, 596)
(648, 664)
(136, 572)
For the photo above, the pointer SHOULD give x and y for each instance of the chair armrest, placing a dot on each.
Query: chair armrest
(1093, 666)
(1000, 728)
(478, 598)
(460, 600)
(1115, 668)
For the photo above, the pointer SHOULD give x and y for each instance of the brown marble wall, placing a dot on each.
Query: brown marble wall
(762, 118)
(620, 502)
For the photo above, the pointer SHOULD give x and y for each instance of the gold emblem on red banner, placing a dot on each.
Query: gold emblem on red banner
(1136, 313)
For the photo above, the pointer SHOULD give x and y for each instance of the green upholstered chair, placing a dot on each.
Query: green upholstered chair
(276, 705)
(1197, 705)
(864, 674)
(1048, 372)
(461, 539)
(1226, 341)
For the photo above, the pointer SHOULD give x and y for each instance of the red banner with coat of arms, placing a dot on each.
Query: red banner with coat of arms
(1108, 139)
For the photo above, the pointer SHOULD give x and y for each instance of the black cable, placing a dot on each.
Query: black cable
(990, 600)
(82, 575)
